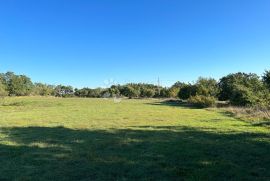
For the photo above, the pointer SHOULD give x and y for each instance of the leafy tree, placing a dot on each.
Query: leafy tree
(207, 87)
(241, 89)
(187, 91)
(114, 90)
(17, 85)
(20, 85)
(164, 93)
(96, 93)
(175, 89)
(130, 92)
(82, 92)
(147, 92)
(243, 96)
(63, 91)
(43, 89)
(173, 92)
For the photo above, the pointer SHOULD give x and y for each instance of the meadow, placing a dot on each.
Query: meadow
(141, 139)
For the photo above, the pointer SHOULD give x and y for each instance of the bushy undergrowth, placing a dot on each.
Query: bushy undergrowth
(250, 113)
(202, 101)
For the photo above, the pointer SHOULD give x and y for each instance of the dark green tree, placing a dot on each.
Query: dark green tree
(266, 78)
(241, 89)
(187, 91)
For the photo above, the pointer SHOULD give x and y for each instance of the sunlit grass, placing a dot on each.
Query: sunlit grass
(98, 139)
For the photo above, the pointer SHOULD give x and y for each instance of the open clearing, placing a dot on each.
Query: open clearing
(97, 139)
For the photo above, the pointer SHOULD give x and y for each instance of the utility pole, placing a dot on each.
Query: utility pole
(158, 86)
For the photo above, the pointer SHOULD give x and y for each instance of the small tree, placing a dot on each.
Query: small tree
(207, 87)
(228, 84)
(173, 92)
(130, 92)
(43, 89)
(187, 91)
(243, 96)
(63, 91)
(146, 92)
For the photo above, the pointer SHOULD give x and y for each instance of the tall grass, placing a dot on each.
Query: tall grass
(250, 113)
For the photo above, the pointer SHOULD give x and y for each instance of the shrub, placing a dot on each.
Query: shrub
(207, 87)
(232, 83)
(187, 91)
(146, 92)
(130, 92)
(202, 101)
(242, 96)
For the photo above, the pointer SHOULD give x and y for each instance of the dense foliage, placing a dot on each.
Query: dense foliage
(202, 101)
(239, 89)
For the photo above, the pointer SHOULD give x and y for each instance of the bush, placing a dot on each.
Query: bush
(242, 96)
(187, 91)
(239, 83)
(146, 92)
(202, 101)
(207, 87)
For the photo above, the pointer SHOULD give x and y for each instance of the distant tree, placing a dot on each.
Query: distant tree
(18, 85)
(63, 91)
(114, 90)
(164, 93)
(147, 92)
(95, 93)
(173, 92)
(207, 87)
(43, 89)
(187, 91)
(130, 92)
(81, 92)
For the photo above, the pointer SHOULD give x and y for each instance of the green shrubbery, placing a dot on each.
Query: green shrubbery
(239, 89)
(202, 101)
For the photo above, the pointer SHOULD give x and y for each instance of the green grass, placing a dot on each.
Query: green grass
(97, 139)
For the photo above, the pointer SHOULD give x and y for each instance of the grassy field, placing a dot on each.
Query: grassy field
(97, 139)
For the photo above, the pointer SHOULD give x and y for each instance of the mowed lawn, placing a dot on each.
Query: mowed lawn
(97, 139)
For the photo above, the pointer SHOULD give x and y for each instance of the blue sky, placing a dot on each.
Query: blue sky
(86, 42)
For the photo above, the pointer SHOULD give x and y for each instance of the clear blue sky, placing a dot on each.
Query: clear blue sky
(86, 42)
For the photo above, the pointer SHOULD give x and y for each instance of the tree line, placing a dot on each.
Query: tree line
(239, 89)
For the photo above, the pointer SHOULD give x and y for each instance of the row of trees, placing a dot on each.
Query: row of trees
(239, 89)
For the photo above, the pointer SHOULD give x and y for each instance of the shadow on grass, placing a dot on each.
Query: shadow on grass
(263, 123)
(159, 153)
(258, 123)
(174, 103)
